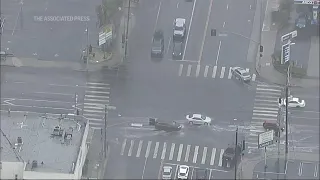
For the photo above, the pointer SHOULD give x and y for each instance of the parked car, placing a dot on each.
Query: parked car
(183, 172)
(293, 102)
(166, 172)
(179, 29)
(157, 49)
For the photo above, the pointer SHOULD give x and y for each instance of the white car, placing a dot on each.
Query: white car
(241, 74)
(293, 102)
(183, 172)
(179, 28)
(167, 172)
(198, 119)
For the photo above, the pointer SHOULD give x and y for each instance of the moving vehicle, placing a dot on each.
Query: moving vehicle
(179, 29)
(177, 50)
(302, 20)
(157, 49)
(166, 172)
(183, 172)
(202, 174)
(230, 158)
(198, 119)
(168, 127)
(293, 102)
(271, 125)
(240, 73)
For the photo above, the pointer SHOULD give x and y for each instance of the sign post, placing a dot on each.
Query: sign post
(289, 36)
(285, 52)
(265, 139)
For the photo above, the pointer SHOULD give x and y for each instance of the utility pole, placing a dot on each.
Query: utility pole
(286, 106)
(21, 17)
(236, 155)
(87, 52)
(75, 106)
(127, 31)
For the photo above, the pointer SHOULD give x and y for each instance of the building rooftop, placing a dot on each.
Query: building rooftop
(53, 153)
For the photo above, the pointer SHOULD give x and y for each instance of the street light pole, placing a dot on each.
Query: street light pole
(87, 52)
(127, 30)
(286, 106)
(236, 155)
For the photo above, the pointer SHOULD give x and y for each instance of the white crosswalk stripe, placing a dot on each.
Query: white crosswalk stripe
(207, 71)
(96, 97)
(169, 151)
(265, 109)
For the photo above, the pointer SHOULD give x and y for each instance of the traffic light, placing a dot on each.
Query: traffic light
(213, 32)
(261, 48)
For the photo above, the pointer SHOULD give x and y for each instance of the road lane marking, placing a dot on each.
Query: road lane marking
(63, 94)
(230, 73)
(213, 155)
(93, 107)
(204, 155)
(94, 104)
(300, 168)
(97, 87)
(206, 69)
(274, 109)
(156, 150)
(227, 6)
(195, 155)
(38, 100)
(265, 100)
(98, 92)
(130, 148)
(171, 151)
(40, 107)
(277, 94)
(224, 23)
(95, 83)
(123, 146)
(315, 174)
(180, 69)
(263, 118)
(198, 70)
(178, 5)
(157, 18)
(270, 115)
(163, 154)
(186, 158)
(218, 54)
(205, 32)
(222, 72)
(93, 111)
(148, 149)
(267, 85)
(94, 119)
(139, 148)
(93, 115)
(259, 111)
(214, 71)
(180, 152)
(189, 70)
(220, 158)
(97, 100)
(253, 77)
(98, 97)
(188, 32)
(263, 89)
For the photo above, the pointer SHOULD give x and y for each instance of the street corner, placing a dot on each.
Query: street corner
(97, 55)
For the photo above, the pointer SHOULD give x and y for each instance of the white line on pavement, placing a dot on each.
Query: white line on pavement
(155, 153)
(197, 70)
(139, 149)
(206, 69)
(205, 32)
(222, 72)
(204, 155)
(186, 158)
(157, 18)
(99, 97)
(218, 54)
(148, 149)
(213, 155)
(189, 70)
(123, 146)
(180, 152)
(214, 71)
(188, 32)
(63, 94)
(221, 155)
(98, 92)
(39, 107)
(104, 101)
(195, 155)
(130, 148)
(163, 154)
(171, 151)
(180, 69)
(96, 83)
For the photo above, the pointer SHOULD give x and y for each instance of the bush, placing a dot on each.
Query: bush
(296, 71)
(106, 10)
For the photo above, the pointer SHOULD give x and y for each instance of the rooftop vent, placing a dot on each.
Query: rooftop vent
(57, 131)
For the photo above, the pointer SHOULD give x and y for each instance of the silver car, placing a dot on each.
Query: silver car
(179, 28)
(240, 73)
(167, 172)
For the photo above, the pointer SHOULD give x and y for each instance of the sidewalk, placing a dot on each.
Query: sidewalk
(113, 59)
(95, 163)
(264, 67)
(246, 167)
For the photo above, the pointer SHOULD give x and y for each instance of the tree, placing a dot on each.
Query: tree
(106, 10)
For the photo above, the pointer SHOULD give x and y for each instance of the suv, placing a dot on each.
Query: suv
(168, 127)
(179, 29)
(230, 157)
(202, 174)
(240, 73)
(177, 51)
(157, 48)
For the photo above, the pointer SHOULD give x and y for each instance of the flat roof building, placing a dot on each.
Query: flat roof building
(34, 147)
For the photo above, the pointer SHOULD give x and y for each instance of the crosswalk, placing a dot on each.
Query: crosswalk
(265, 109)
(207, 71)
(95, 98)
(183, 153)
